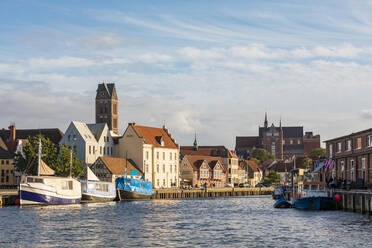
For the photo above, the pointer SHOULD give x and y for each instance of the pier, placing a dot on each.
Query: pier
(355, 201)
(209, 193)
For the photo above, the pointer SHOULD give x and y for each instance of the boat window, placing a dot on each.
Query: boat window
(66, 185)
(321, 187)
(102, 187)
(306, 186)
(34, 180)
(314, 187)
(142, 186)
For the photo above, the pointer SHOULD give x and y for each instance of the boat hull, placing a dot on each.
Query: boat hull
(86, 197)
(315, 203)
(126, 195)
(28, 197)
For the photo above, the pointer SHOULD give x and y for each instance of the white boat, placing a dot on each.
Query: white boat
(94, 190)
(47, 189)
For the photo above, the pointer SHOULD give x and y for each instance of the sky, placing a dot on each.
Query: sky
(210, 67)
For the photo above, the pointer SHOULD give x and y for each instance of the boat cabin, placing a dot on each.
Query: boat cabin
(312, 189)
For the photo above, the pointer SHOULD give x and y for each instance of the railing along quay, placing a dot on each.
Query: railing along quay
(209, 192)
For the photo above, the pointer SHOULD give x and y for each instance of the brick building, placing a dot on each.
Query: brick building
(282, 142)
(107, 106)
(352, 155)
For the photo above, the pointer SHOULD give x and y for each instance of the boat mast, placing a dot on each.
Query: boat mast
(39, 158)
(70, 160)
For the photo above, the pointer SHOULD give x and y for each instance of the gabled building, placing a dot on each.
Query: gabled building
(109, 168)
(154, 151)
(281, 141)
(229, 158)
(89, 140)
(6, 165)
(198, 171)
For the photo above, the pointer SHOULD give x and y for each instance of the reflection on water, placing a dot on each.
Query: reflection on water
(218, 222)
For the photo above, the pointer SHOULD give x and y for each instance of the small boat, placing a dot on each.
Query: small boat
(47, 189)
(314, 196)
(282, 203)
(277, 193)
(133, 189)
(94, 190)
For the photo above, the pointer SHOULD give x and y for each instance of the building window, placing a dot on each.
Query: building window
(69, 137)
(157, 155)
(359, 143)
(100, 150)
(273, 148)
(369, 140)
(352, 170)
(158, 182)
(163, 155)
(163, 182)
(170, 156)
(175, 156)
(299, 142)
(7, 161)
(175, 168)
(90, 151)
(363, 163)
(163, 168)
(339, 147)
(111, 150)
(348, 145)
(157, 168)
(115, 108)
(330, 150)
(147, 155)
(147, 168)
(170, 169)
(291, 142)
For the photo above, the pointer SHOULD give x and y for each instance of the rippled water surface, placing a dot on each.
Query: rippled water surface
(218, 222)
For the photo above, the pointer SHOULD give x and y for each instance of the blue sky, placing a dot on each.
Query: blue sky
(213, 67)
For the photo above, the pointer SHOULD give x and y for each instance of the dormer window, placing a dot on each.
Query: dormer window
(160, 140)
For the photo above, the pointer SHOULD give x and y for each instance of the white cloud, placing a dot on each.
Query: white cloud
(155, 58)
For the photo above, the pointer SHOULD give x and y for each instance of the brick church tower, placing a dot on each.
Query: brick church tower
(273, 139)
(107, 106)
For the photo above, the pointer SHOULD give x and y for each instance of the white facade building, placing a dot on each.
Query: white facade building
(154, 151)
(89, 140)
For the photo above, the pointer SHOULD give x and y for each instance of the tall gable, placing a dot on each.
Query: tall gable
(97, 129)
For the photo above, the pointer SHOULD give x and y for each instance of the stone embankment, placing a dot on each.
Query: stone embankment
(208, 193)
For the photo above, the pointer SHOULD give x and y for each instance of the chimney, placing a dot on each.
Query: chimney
(12, 132)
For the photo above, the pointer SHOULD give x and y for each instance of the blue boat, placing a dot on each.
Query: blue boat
(133, 189)
(282, 203)
(313, 196)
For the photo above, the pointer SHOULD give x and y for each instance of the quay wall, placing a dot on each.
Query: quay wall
(355, 201)
(209, 193)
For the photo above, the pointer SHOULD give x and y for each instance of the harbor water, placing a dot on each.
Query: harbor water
(215, 222)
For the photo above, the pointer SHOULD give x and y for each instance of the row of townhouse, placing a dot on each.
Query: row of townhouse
(198, 171)
(352, 156)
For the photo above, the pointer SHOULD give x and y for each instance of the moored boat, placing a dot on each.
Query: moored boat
(47, 189)
(133, 189)
(94, 190)
(313, 196)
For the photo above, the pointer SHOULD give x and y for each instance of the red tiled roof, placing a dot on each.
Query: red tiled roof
(196, 161)
(253, 165)
(118, 165)
(152, 135)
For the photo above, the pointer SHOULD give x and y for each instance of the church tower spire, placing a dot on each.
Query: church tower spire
(195, 144)
(107, 106)
(266, 124)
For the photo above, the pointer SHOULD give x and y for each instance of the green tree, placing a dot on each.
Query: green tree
(272, 178)
(262, 155)
(317, 153)
(27, 162)
(306, 162)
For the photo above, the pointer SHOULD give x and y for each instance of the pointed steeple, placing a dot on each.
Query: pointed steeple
(195, 144)
(280, 124)
(266, 124)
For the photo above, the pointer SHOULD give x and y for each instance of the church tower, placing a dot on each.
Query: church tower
(266, 123)
(107, 106)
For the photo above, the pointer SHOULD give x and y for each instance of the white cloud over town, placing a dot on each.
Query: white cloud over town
(213, 76)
